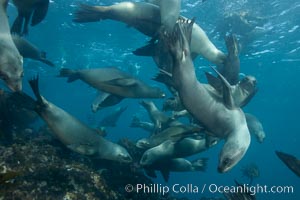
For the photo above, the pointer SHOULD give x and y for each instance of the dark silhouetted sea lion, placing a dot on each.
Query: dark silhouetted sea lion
(28, 50)
(11, 62)
(35, 10)
(220, 118)
(111, 119)
(114, 81)
(175, 165)
(74, 134)
(290, 161)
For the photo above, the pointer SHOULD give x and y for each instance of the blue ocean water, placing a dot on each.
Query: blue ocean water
(273, 58)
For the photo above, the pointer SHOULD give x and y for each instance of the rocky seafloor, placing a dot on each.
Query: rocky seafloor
(34, 165)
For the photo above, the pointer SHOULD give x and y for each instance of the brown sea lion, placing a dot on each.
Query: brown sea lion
(220, 118)
(74, 134)
(11, 62)
(114, 81)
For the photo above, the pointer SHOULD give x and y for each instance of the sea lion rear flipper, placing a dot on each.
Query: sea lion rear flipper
(122, 82)
(40, 12)
(227, 93)
(71, 74)
(165, 174)
(87, 13)
(214, 81)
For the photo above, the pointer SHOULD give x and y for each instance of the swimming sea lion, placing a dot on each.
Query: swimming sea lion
(145, 17)
(173, 133)
(74, 134)
(290, 161)
(255, 127)
(35, 10)
(111, 119)
(137, 123)
(180, 149)
(104, 99)
(28, 50)
(159, 118)
(114, 81)
(176, 165)
(220, 118)
(11, 62)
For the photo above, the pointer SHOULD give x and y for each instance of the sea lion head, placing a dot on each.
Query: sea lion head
(143, 143)
(120, 154)
(234, 148)
(11, 70)
(249, 84)
(260, 135)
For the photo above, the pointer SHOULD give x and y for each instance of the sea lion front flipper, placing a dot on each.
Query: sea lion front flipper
(164, 77)
(227, 92)
(85, 149)
(40, 12)
(214, 81)
(165, 174)
(69, 73)
(147, 50)
(122, 82)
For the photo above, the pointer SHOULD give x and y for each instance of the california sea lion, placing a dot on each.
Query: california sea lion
(104, 99)
(137, 123)
(28, 50)
(255, 127)
(180, 149)
(145, 17)
(221, 118)
(111, 119)
(290, 161)
(74, 134)
(159, 118)
(11, 62)
(175, 165)
(35, 10)
(114, 81)
(174, 133)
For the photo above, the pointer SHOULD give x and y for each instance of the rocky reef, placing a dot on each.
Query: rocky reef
(34, 165)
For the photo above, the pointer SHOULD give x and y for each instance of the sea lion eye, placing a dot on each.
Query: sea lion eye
(226, 161)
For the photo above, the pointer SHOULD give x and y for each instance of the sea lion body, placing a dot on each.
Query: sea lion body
(34, 10)
(221, 118)
(76, 135)
(104, 99)
(175, 165)
(180, 149)
(173, 133)
(146, 18)
(11, 62)
(28, 50)
(137, 123)
(114, 81)
(255, 127)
